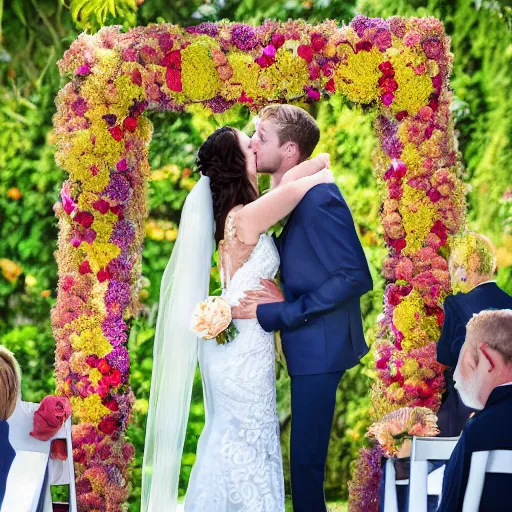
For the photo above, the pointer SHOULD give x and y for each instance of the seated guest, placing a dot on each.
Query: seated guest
(472, 266)
(10, 392)
(483, 377)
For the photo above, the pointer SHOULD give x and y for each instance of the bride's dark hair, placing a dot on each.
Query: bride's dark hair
(221, 158)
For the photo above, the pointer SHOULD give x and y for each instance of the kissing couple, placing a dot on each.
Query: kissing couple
(323, 274)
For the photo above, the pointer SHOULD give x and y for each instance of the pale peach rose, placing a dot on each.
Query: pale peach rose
(211, 317)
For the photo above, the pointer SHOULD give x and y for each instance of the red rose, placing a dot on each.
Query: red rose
(130, 124)
(84, 268)
(330, 86)
(92, 361)
(305, 52)
(112, 405)
(116, 133)
(136, 77)
(401, 115)
(108, 426)
(101, 205)
(172, 60)
(103, 275)
(278, 40)
(103, 366)
(85, 219)
(173, 80)
(364, 46)
(317, 41)
(115, 378)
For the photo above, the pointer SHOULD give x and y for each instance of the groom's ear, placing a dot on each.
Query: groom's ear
(291, 150)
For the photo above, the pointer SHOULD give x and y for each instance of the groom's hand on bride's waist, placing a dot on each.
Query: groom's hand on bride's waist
(270, 292)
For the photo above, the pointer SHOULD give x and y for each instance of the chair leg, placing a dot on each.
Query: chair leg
(390, 498)
(418, 486)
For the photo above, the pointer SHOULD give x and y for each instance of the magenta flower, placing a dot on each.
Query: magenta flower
(387, 98)
(83, 70)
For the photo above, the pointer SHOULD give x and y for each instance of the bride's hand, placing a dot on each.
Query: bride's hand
(324, 160)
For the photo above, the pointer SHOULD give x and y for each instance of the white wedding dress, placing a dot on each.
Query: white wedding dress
(239, 465)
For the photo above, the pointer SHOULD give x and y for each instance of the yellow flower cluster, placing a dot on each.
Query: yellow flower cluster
(410, 319)
(358, 77)
(199, 75)
(100, 254)
(288, 74)
(89, 409)
(418, 216)
(413, 90)
(91, 341)
(245, 77)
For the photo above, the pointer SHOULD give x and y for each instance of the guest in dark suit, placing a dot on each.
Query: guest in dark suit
(483, 377)
(10, 391)
(472, 266)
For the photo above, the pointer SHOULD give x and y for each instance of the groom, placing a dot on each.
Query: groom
(324, 273)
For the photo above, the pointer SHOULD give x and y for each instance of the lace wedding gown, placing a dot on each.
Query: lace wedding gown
(239, 465)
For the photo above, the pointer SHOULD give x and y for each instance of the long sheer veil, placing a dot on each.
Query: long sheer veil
(184, 283)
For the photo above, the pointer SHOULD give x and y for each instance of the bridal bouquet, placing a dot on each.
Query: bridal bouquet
(212, 319)
(395, 430)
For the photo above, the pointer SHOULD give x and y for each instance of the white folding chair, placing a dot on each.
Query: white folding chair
(495, 461)
(421, 484)
(26, 476)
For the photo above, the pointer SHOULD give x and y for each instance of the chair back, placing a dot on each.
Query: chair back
(421, 484)
(494, 461)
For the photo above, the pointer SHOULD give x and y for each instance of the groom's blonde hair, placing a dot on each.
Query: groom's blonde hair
(293, 125)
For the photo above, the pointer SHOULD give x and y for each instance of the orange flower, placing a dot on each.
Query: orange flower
(14, 193)
(10, 270)
(46, 293)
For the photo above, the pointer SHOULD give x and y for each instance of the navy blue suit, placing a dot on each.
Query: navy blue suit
(324, 273)
(7, 455)
(489, 429)
(459, 309)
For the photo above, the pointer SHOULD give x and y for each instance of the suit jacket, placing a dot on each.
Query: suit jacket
(7, 455)
(489, 429)
(459, 309)
(324, 273)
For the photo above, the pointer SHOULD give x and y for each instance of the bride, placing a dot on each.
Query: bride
(238, 465)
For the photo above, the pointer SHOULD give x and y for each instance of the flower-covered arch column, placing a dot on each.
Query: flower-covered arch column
(399, 66)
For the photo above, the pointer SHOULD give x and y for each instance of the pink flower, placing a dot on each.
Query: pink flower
(314, 71)
(122, 165)
(411, 38)
(387, 98)
(433, 48)
(278, 40)
(83, 70)
(84, 268)
(313, 93)
(305, 52)
(269, 51)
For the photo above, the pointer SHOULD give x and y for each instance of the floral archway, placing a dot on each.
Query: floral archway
(399, 66)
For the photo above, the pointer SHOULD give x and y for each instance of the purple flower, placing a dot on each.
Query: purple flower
(123, 234)
(392, 146)
(110, 119)
(118, 292)
(387, 126)
(361, 23)
(433, 48)
(119, 359)
(120, 268)
(118, 188)
(208, 28)
(79, 107)
(269, 51)
(219, 104)
(244, 37)
(387, 98)
(115, 330)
